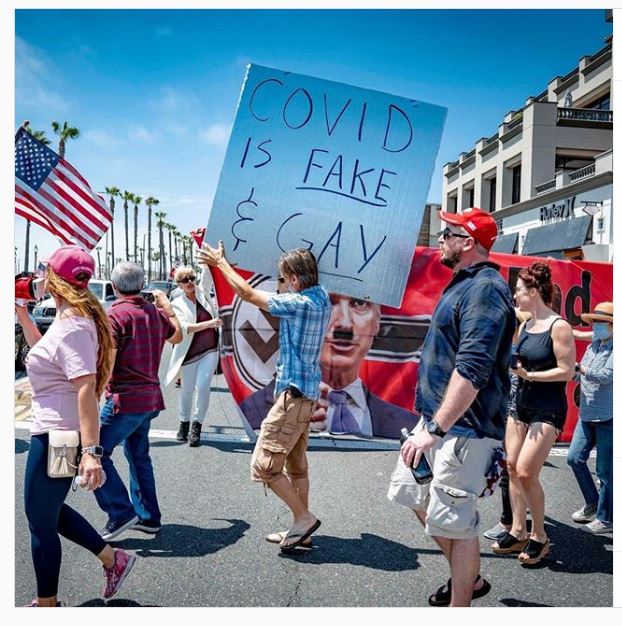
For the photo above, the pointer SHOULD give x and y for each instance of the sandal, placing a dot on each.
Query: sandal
(442, 596)
(535, 552)
(509, 544)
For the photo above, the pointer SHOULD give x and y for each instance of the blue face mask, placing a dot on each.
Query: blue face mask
(601, 331)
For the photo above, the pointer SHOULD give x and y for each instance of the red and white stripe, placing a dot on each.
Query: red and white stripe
(65, 205)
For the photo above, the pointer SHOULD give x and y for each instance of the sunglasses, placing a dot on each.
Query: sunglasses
(447, 233)
(187, 279)
(281, 279)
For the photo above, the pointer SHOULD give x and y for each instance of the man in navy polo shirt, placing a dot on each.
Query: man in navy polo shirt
(133, 399)
(462, 393)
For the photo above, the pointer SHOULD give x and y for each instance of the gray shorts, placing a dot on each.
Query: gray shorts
(459, 465)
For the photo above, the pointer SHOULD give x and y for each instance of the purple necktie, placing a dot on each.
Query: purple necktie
(343, 420)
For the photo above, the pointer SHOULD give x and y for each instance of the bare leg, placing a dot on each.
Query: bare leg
(514, 439)
(447, 547)
(538, 443)
(303, 518)
(465, 562)
(106, 556)
(47, 602)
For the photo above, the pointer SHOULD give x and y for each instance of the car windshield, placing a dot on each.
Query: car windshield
(158, 284)
(97, 289)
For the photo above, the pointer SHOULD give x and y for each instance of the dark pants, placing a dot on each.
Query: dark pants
(48, 515)
(506, 503)
(132, 430)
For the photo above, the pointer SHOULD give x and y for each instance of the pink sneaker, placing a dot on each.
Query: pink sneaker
(115, 576)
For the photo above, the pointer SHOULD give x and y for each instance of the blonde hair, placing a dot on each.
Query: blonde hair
(182, 272)
(87, 305)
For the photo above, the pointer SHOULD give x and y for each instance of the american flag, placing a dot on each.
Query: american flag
(50, 192)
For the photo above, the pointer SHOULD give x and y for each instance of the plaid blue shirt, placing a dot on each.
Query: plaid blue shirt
(597, 382)
(470, 331)
(304, 319)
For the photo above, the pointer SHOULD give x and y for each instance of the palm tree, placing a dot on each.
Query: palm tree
(113, 192)
(170, 229)
(39, 135)
(65, 132)
(136, 200)
(176, 234)
(150, 202)
(127, 196)
(160, 215)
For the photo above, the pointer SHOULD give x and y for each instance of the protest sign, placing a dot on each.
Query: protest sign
(388, 360)
(340, 170)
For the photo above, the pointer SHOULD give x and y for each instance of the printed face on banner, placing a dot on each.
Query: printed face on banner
(337, 169)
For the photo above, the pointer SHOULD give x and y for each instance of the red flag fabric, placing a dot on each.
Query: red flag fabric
(389, 370)
(51, 193)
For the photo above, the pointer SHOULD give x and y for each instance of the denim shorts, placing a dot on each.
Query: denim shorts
(555, 418)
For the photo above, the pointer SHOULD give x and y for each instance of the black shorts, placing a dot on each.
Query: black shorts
(555, 418)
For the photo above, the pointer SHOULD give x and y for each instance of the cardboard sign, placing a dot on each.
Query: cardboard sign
(337, 169)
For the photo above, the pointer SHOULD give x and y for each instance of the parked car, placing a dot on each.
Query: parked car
(21, 347)
(45, 311)
(163, 285)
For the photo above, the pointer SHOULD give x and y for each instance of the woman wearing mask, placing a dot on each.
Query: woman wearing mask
(546, 359)
(595, 424)
(197, 354)
(68, 368)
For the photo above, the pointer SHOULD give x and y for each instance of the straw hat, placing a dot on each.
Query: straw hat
(603, 312)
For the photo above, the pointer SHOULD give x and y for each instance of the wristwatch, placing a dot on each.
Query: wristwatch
(96, 451)
(434, 429)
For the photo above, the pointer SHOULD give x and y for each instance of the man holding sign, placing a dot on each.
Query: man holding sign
(303, 306)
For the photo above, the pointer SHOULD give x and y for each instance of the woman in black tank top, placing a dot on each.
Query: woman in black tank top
(546, 355)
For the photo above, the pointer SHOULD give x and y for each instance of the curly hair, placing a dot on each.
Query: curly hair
(83, 301)
(538, 276)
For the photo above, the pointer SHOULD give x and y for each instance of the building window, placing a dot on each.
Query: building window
(516, 184)
(452, 204)
(603, 103)
(571, 163)
(492, 194)
(471, 197)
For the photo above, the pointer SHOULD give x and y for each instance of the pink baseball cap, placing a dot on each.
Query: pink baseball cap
(71, 261)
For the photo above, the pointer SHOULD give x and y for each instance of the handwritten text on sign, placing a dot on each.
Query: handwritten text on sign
(341, 170)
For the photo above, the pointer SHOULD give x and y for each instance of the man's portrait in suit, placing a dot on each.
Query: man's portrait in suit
(346, 405)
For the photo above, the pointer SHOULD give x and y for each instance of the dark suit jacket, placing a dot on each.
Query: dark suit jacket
(386, 419)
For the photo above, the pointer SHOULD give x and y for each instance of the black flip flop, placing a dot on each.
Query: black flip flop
(442, 596)
(272, 538)
(299, 538)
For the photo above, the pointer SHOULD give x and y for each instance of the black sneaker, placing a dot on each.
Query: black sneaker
(112, 529)
(147, 526)
(182, 433)
(195, 435)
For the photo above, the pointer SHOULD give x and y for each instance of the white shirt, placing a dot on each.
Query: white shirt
(357, 404)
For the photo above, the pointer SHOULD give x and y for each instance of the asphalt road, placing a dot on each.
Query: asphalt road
(368, 551)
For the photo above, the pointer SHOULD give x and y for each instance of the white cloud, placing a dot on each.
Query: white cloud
(216, 134)
(140, 133)
(37, 81)
(101, 138)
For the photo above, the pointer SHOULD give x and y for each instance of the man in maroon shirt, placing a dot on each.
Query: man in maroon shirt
(133, 398)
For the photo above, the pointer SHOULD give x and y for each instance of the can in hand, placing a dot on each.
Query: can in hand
(423, 472)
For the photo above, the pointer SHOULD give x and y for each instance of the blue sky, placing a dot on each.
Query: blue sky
(154, 91)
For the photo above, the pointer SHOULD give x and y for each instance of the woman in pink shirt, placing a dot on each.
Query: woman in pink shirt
(68, 368)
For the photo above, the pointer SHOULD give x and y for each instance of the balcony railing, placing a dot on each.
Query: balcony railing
(545, 187)
(585, 115)
(584, 172)
(599, 54)
(517, 121)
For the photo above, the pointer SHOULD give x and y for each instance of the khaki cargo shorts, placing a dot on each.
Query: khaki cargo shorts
(459, 465)
(283, 439)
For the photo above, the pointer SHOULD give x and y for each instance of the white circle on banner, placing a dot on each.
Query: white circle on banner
(255, 337)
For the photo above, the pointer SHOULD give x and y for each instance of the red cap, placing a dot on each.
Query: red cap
(70, 261)
(479, 224)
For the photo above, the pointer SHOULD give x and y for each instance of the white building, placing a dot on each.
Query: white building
(547, 173)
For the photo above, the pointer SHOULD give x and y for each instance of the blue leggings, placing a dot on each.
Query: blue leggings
(48, 515)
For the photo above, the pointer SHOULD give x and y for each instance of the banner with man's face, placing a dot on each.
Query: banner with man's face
(371, 353)
(336, 169)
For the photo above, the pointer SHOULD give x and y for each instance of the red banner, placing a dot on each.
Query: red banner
(385, 346)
